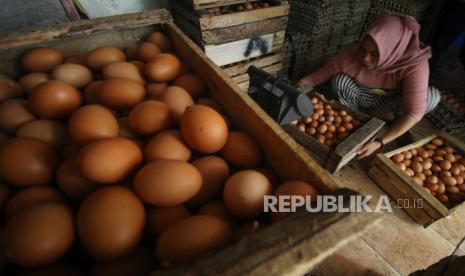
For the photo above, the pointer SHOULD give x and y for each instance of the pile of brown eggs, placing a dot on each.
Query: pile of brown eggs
(238, 8)
(437, 167)
(120, 157)
(456, 100)
(327, 125)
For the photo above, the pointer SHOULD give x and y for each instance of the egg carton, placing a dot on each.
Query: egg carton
(448, 119)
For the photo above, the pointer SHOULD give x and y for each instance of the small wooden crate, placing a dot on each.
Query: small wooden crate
(225, 38)
(292, 245)
(336, 157)
(423, 207)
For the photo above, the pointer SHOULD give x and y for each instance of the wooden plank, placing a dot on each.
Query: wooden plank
(272, 69)
(232, 52)
(414, 145)
(260, 62)
(244, 86)
(238, 18)
(238, 32)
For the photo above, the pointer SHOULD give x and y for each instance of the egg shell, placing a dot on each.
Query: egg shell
(159, 218)
(92, 122)
(109, 160)
(10, 89)
(27, 161)
(437, 142)
(292, 188)
(204, 129)
(244, 193)
(54, 100)
(161, 40)
(450, 157)
(217, 209)
(162, 68)
(192, 84)
(110, 222)
(146, 51)
(417, 167)
(443, 198)
(38, 235)
(51, 132)
(177, 245)
(75, 74)
(167, 183)
(155, 89)
(41, 60)
(167, 144)
(72, 183)
(14, 113)
(102, 56)
(445, 165)
(122, 70)
(120, 93)
(215, 172)
(451, 189)
(28, 197)
(398, 158)
(449, 180)
(177, 98)
(150, 117)
(30, 81)
(242, 150)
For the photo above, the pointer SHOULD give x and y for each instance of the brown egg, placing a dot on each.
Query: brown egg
(322, 129)
(460, 180)
(348, 126)
(402, 166)
(427, 165)
(408, 155)
(204, 129)
(161, 40)
(449, 180)
(146, 51)
(452, 189)
(167, 182)
(292, 188)
(109, 160)
(167, 144)
(417, 167)
(38, 235)
(445, 165)
(140, 66)
(437, 142)
(192, 84)
(92, 122)
(72, 183)
(28, 197)
(215, 172)
(75, 74)
(51, 132)
(177, 99)
(5, 192)
(443, 198)
(431, 147)
(432, 187)
(54, 99)
(217, 209)
(432, 179)
(158, 219)
(42, 60)
(455, 170)
(418, 180)
(242, 150)
(450, 157)
(409, 172)
(269, 174)
(110, 222)
(155, 89)
(122, 70)
(30, 81)
(27, 161)
(102, 56)
(449, 149)
(149, 117)
(14, 113)
(120, 93)
(210, 103)
(177, 246)
(441, 188)
(10, 89)
(244, 193)
(435, 168)
(398, 158)
(77, 59)
(310, 130)
(164, 67)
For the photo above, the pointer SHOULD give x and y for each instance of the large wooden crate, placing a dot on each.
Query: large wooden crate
(291, 246)
(423, 207)
(335, 157)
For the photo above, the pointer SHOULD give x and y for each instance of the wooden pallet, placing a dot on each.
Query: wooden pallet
(336, 157)
(290, 246)
(421, 206)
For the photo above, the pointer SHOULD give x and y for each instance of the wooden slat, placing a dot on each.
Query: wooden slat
(232, 52)
(272, 69)
(261, 62)
(414, 145)
(238, 18)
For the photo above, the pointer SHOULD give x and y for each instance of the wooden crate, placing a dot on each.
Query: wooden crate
(225, 37)
(291, 246)
(335, 157)
(423, 207)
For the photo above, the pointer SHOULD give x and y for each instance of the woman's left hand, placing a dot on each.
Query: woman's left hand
(368, 149)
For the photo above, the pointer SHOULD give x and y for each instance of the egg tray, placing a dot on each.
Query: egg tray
(420, 205)
(337, 156)
(448, 119)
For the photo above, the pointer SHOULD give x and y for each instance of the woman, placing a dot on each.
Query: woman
(387, 70)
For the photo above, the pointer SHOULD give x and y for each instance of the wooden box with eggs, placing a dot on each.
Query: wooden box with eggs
(333, 133)
(115, 162)
(426, 177)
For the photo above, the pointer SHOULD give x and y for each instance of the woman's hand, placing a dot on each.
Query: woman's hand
(368, 149)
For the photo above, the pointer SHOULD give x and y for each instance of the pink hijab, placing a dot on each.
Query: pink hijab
(399, 46)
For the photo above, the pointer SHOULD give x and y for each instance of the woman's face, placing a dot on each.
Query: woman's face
(369, 54)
